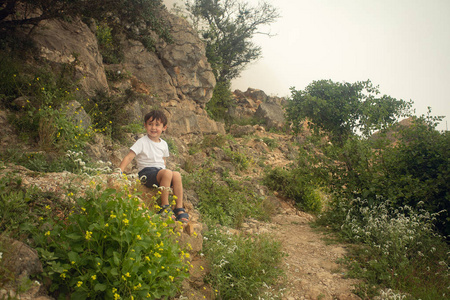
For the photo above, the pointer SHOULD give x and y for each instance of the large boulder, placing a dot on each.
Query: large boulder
(73, 43)
(186, 63)
(272, 114)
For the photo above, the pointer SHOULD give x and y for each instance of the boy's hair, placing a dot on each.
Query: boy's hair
(157, 115)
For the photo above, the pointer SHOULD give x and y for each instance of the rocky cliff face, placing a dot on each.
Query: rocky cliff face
(176, 76)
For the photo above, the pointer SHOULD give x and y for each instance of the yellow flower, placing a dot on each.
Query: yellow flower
(79, 283)
(114, 290)
(83, 209)
(116, 296)
(175, 197)
(125, 221)
(63, 275)
(112, 216)
(147, 258)
(94, 277)
(72, 262)
(88, 235)
(138, 237)
(171, 278)
(158, 234)
(128, 274)
(47, 207)
(47, 233)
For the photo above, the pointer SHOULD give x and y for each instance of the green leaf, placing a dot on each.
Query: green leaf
(73, 256)
(100, 287)
(79, 295)
(74, 236)
(114, 272)
(116, 257)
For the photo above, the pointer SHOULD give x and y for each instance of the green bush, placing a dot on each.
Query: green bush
(401, 250)
(243, 267)
(239, 159)
(271, 143)
(108, 44)
(111, 248)
(14, 202)
(107, 113)
(73, 161)
(22, 208)
(294, 184)
(221, 101)
(417, 170)
(227, 202)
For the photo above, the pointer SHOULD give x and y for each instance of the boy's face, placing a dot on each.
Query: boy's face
(154, 129)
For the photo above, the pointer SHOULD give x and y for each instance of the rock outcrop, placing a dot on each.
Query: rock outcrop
(254, 103)
(176, 76)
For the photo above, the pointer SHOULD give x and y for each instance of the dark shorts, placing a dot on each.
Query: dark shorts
(147, 176)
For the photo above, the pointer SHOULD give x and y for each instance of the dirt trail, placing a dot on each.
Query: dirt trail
(311, 268)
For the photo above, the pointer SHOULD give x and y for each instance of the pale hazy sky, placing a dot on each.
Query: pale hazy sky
(401, 45)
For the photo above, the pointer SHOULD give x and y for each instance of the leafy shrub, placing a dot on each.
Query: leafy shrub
(21, 207)
(107, 113)
(41, 85)
(296, 185)
(239, 159)
(13, 204)
(108, 45)
(73, 161)
(209, 141)
(228, 202)
(172, 146)
(221, 101)
(243, 267)
(271, 143)
(417, 170)
(401, 250)
(110, 247)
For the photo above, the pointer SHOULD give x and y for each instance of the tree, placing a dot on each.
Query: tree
(227, 27)
(340, 110)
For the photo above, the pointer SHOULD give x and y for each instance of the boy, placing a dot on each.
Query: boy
(151, 152)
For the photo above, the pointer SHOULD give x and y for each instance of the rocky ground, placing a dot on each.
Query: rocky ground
(311, 262)
(310, 265)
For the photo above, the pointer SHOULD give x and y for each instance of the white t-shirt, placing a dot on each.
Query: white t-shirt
(149, 153)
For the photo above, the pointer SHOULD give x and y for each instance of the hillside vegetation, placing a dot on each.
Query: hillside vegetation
(386, 194)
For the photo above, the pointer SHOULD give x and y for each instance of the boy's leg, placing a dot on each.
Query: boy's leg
(164, 179)
(177, 184)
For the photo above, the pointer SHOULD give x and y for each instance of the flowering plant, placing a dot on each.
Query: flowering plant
(110, 247)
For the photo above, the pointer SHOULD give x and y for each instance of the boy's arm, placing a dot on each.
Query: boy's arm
(126, 160)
